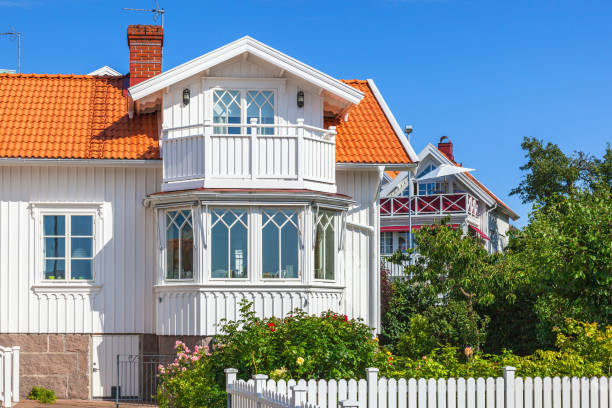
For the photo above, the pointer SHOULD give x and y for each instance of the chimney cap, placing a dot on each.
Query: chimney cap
(447, 139)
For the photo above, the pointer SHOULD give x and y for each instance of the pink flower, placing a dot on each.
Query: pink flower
(183, 369)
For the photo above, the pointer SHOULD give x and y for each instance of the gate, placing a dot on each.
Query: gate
(137, 379)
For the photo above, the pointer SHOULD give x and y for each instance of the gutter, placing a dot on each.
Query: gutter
(22, 161)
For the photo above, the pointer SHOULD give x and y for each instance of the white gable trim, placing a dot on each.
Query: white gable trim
(396, 127)
(105, 71)
(253, 47)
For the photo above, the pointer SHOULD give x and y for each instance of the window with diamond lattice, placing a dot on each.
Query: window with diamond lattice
(227, 109)
(325, 249)
(260, 106)
(179, 244)
(280, 244)
(229, 243)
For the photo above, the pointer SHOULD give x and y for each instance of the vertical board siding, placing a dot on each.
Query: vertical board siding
(124, 265)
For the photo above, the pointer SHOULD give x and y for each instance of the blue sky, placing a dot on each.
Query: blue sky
(483, 72)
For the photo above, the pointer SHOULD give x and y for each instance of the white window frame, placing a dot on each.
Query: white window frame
(163, 236)
(67, 210)
(249, 221)
(299, 214)
(243, 87)
(336, 213)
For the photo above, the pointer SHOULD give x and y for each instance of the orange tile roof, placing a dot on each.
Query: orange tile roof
(73, 117)
(392, 174)
(367, 136)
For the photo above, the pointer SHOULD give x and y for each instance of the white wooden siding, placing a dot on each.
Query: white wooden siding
(126, 264)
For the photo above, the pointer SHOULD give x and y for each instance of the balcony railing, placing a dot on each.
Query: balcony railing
(437, 204)
(253, 155)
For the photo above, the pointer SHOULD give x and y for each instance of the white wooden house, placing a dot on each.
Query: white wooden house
(459, 199)
(136, 210)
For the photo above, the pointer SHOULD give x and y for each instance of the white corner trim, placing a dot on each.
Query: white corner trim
(252, 47)
(396, 127)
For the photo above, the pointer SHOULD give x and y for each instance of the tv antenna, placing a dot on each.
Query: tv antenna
(15, 35)
(157, 12)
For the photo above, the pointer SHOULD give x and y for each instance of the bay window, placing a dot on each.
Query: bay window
(325, 246)
(68, 246)
(386, 243)
(229, 243)
(280, 244)
(179, 244)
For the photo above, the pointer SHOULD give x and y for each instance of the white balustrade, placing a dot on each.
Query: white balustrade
(507, 391)
(9, 376)
(260, 155)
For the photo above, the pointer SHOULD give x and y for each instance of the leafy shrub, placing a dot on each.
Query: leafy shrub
(298, 346)
(42, 395)
(587, 340)
(452, 323)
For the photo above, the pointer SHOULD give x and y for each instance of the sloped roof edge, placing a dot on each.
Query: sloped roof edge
(238, 47)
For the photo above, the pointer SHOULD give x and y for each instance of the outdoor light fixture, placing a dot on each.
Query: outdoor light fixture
(186, 95)
(300, 99)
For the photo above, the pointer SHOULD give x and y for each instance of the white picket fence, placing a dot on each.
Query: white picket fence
(9, 375)
(373, 392)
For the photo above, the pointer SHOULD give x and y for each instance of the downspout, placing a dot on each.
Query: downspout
(375, 259)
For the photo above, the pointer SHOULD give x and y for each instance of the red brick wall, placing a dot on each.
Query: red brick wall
(55, 361)
(145, 42)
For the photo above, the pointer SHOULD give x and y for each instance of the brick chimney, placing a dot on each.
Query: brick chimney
(446, 147)
(145, 42)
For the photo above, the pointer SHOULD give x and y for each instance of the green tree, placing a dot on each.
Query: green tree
(550, 173)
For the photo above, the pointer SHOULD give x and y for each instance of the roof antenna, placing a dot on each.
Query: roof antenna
(13, 34)
(157, 11)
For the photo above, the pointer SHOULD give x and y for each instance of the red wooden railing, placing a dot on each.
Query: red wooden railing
(437, 204)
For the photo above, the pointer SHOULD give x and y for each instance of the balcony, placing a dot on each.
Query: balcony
(288, 156)
(431, 205)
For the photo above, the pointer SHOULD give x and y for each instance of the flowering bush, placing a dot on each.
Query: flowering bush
(298, 346)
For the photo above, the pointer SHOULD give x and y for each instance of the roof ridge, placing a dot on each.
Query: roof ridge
(75, 76)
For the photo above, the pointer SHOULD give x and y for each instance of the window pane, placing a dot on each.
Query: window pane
(81, 247)
(55, 247)
(318, 253)
(55, 269)
(289, 251)
(81, 269)
(226, 109)
(54, 225)
(238, 251)
(81, 225)
(330, 251)
(270, 246)
(187, 252)
(219, 257)
(172, 253)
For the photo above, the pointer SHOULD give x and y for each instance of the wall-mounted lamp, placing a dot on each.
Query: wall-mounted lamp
(300, 99)
(186, 95)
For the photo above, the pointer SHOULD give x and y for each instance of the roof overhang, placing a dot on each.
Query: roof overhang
(246, 45)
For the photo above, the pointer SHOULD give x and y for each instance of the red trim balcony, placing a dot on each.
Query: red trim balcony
(437, 204)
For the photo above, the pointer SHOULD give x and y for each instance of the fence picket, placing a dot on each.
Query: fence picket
(432, 386)
(441, 393)
(566, 392)
(461, 393)
(422, 393)
(412, 393)
(481, 393)
(362, 393)
(490, 393)
(402, 391)
(451, 393)
(312, 392)
(575, 392)
(382, 393)
(594, 392)
(537, 393)
(584, 392)
(343, 391)
(547, 392)
(352, 390)
(322, 393)
(528, 402)
(518, 393)
(281, 387)
(332, 394)
(556, 392)
(392, 392)
(470, 391)
(603, 392)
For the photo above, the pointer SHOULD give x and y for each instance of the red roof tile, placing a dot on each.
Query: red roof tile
(367, 136)
(73, 117)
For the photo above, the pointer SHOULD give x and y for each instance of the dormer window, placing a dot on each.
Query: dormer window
(237, 107)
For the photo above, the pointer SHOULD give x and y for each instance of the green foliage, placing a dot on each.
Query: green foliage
(550, 173)
(588, 340)
(299, 346)
(452, 324)
(42, 395)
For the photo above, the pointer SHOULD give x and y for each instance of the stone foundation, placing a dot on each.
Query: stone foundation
(56, 361)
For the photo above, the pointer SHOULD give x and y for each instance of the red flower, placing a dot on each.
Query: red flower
(345, 318)
(271, 326)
